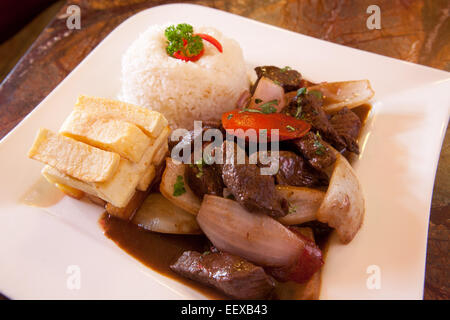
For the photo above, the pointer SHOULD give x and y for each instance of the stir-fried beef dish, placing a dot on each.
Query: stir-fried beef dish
(256, 173)
(310, 147)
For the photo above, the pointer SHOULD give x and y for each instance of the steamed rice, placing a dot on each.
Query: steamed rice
(183, 91)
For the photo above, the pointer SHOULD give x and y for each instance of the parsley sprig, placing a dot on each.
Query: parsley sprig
(181, 38)
(266, 108)
(178, 187)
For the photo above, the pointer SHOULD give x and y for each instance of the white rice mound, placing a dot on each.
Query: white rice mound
(183, 91)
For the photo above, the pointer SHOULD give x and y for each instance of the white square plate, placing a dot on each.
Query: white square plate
(400, 150)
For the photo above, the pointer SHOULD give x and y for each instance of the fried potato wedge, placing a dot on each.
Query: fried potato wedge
(303, 204)
(188, 200)
(118, 136)
(343, 205)
(151, 122)
(350, 94)
(158, 214)
(74, 158)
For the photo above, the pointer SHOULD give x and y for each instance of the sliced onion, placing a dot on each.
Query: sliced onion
(243, 100)
(188, 200)
(348, 94)
(160, 215)
(303, 204)
(343, 204)
(266, 91)
(253, 236)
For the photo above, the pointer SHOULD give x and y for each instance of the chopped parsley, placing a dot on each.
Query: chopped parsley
(300, 92)
(320, 148)
(265, 108)
(230, 116)
(292, 209)
(285, 69)
(199, 164)
(277, 82)
(318, 94)
(268, 107)
(290, 128)
(299, 112)
(181, 38)
(178, 187)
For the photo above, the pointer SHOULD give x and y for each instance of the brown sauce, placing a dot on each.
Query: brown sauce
(363, 112)
(158, 251)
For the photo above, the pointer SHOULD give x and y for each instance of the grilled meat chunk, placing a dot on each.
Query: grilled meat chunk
(250, 188)
(348, 125)
(308, 107)
(289, 79)
(204, 179)
(230, 274)
(294, 170)
(317, 151)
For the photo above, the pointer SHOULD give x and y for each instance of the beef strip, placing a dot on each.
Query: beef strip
(204, 179)
(308, 107)
(348, 125)
(289, 79)
(295, 171)
(189, 138)
(317, 151)
(230, 274)
(256, 192)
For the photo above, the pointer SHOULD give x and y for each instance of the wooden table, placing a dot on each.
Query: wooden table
(416, 31)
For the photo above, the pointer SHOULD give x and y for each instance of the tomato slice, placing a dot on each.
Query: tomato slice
(289, 127)
(211, 40)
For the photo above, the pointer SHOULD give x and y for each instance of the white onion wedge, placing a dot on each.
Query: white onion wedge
(303, 204)
(343, 205)
(253, 236)
(160, 215)
(348, 94)
(266, 91)
(188, 200)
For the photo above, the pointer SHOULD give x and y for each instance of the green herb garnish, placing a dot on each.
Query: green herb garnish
(199, 164)
(230, 116)
(285, 69)
(300, 92)
(178, 36)
(277, 82)
(320, 148)
(178, 187)
(290, 128)
(292, 209)
(265, 108)
(318, 94)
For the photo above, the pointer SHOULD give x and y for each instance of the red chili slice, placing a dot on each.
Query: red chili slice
(211, 40)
